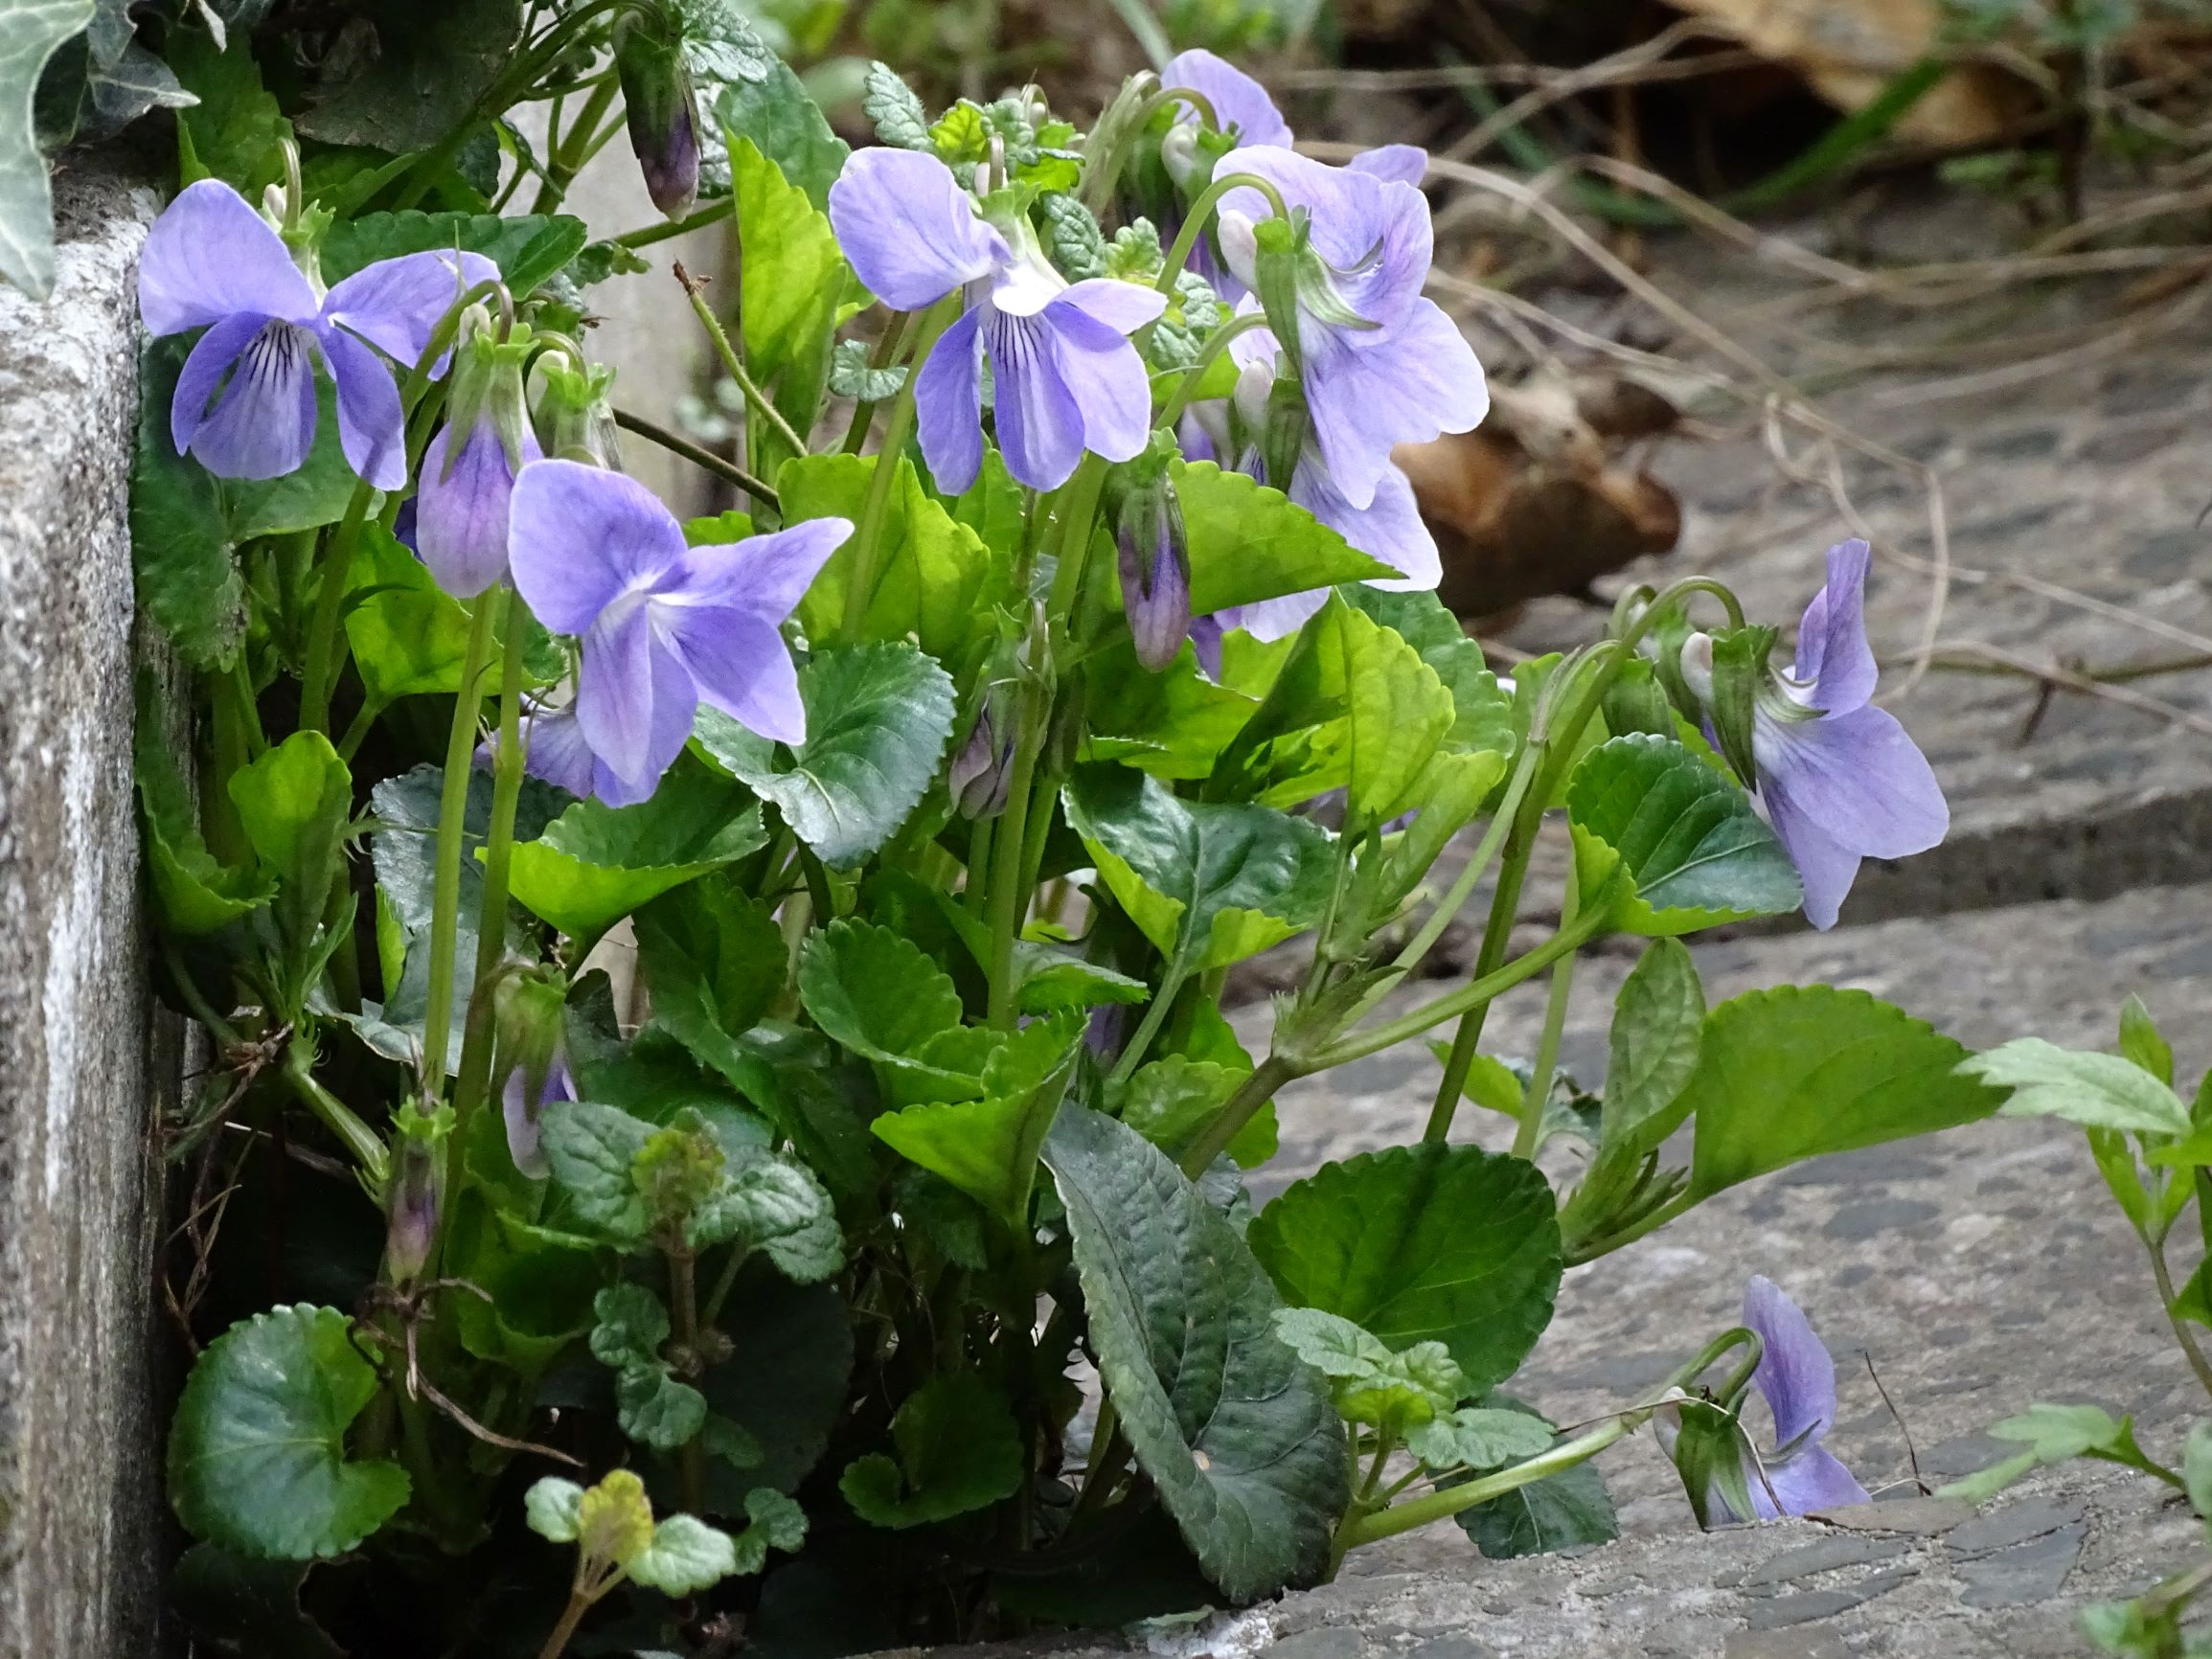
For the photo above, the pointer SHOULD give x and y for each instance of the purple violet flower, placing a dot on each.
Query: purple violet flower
(1382, 365)
(1797, 1378)
(462, 495)
(552, 750)
(1064, 375)
(213, 262)
(521, 1113)
(664, 626)
(1839, 778)
(1240, 103)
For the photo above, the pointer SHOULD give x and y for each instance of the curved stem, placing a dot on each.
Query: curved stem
(1530, 1133)
(729, 471)
(756, 399)
(1163, 1000)
(645, 236)
(1202, 210)
(452, 816)
(2164, 1279)
(1188, 386)
(476, 1047)
(1235, 1112)
(340, 1119)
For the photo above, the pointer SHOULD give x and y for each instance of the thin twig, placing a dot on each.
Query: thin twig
(728, 470)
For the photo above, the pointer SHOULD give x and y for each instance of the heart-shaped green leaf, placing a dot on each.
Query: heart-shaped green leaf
(1237, 1435)
(1689, 839)
(1249, 542)
(1450, 1244)
(958, 1449)
(257, 1453)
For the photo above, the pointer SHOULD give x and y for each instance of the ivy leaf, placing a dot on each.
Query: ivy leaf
(2097, 1091)
(686, 1556)
(654, 1408)
(187, 580)
(958, 1449)
(851, 374)
(988, 1147)
(1169, 1101)
(936, 575)
(1237, 1435)
(1248, 542)
(889, 104)
(257, 1459)
(528, 248)
(552, 1508)
(1659, 1023)
(878, 718)
(1690, 840)
(596, 863)
(1419, 1243)
(775, 1206)
(776, 1522)
(1796, 1071)
(1479, 1438)
(31, 31)
(592, 1149)
(1208, 883)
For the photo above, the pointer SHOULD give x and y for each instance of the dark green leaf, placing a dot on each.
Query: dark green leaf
(875, 992)
(425, 72)
(1419, 1243)
(786, 1384)
(1172, 725)
(528, 248)
(1209, 884)
(1692, 843)
(1659, 1021)
(1238, 1437)
(1051, 981)
(256, 1458)
(712, 948)
(196, 893)
(1560, 1511)
(179, 536)
(958, 1449)
(1248, 542)
(785, 124)
(595, 863)
(236, 132)
(245, 1606)
(878, 718)
(1797, 1071)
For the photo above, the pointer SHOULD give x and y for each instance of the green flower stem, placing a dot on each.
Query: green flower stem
(1585, 1250)
(1555, 1019)
(2164, 1279)
(684, 1315)
(885, 353)
(1235, 1112)
(1437, 1506)
(868, 534)
(1216, 344)
(645, 236)
(723, 1283)
(977, 884)
(564, 1628)
(477, 1042)
(359, 1138)
(453, 814)
(706, 459)
(358, 729)
(1364, 1503)
(1202, 211)
(1477, 993)
(1155, 1015)
(573, 149)
(1077, 510)
(756, 399)
(1497, 933)
(1006, 902)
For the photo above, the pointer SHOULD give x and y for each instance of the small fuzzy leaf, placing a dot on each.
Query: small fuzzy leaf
(1479, 1438)
(592, 1149)
(686, 1556)
(551, 1507)
(890, 104)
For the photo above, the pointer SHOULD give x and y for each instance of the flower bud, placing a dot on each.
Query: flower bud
(468, 469)
(415, 1191)
(1155, 572)
(1283, 432)
(575, 420)
(1180, 156)
(526, 1010)
(656, 93)
(983, 771)
(1712, 1454)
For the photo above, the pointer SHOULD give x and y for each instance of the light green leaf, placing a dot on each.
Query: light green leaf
(1396, 712)
(1372, 1382)
(936, 575)
(1689, 839)
(1482, 709)
(1172, 725)
(408, 635)
(550, 1505)
(595, 863)
(1169, 1101)
(1658, 1022)
(988, 1147)
(2054, 1434)
(528, 248)
(2196, 1469)
(591, 1149)
(196, 892)
(686, 1556)
(187, 580)
(796, 285)
(2141, 1043)
(1051, 981)
(1237, 1437)
(878, 718)
(31, 31)
(1249, 542)
(958, 1449)
(875, 992)
(1479, 1438)
(1208, 883)
(2095, 1090)
(1423, 1243)
(1796, 1071)
(256, 1456)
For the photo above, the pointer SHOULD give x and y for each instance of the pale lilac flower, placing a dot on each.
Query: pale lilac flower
(462, 495)
(210, 261)
(664, 626)
(1381, 364)
(1065, 377)
(1838, 778)
(521, 1112)
(554, 750)
(1241, 105)
(1797, 1378)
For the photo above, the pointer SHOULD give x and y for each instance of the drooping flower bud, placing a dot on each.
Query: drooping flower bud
(1155, 570)
(415, 1194)
(530, 1069)
(983, 771)
(1180, 156)
(663, 113)
(1713, 1455)
(575, 420)
(468, 476)
(1284, 431)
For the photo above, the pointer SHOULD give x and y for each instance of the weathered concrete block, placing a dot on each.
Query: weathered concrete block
(80, 1198)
